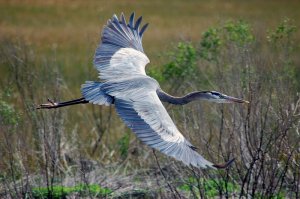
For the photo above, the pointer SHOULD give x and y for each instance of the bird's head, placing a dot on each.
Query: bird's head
(217, 97)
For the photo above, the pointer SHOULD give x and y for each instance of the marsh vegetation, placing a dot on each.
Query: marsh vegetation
(86, 151)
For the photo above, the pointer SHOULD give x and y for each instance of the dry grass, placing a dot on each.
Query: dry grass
(60, 38)
(73, 27)
(70, 29)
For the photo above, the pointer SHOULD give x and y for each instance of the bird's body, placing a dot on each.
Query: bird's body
(121, 62)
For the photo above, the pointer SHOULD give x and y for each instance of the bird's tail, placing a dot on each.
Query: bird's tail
(92, 92)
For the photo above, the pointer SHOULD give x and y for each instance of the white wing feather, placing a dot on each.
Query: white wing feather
(138, 105)
(121, 62)
(120, 53)
(124, 63)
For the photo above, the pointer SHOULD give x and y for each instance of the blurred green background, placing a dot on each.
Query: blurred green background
(70, 30)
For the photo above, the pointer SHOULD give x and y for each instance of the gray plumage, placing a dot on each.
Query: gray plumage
(121, 62)
(138, 105)
(92, 92)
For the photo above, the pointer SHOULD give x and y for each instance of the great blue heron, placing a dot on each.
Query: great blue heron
(121, 62)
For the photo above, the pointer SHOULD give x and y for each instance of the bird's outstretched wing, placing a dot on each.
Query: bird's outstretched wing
(120, 53)
(138, 105)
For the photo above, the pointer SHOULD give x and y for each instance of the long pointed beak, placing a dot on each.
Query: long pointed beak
(235, 100)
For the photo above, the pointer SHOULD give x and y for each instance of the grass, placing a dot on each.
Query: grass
(71, 30)
(210, 187)
(81, 190)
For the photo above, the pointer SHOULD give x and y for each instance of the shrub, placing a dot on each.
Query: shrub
(81, 190)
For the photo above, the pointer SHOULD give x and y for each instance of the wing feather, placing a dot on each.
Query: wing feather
(143, 112)
(170, 143)
(120, 53)
(121, 62)
(137, 23)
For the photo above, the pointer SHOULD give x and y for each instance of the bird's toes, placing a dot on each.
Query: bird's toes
(49, 105)
(51, 102)
(43, 106)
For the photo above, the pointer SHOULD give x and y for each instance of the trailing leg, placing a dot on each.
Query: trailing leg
(53, 104)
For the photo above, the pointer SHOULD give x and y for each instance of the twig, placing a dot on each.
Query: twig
(169, 185)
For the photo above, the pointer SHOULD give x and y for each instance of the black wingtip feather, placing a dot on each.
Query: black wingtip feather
(225, 165)
(143, 29)
(193, 147)
(122, 17)
(120, 32)
(131, 20)
(138, 22)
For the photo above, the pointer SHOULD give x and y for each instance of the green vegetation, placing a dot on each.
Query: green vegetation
(124, 145)
(282, 41)
(214, 39)
(8, 114)
(283, 33)
(81, 190)
(210, 187)
(182, 64)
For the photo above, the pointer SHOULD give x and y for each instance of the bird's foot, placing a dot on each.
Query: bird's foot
(49, 105)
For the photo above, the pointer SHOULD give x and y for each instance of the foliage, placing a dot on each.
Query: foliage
(211, 186)
(210, 44)
(215, 39)
(281, 40)
(8, 114)
(182, 64)
(283, 32)
(238, 32)
(81, 190)
(123, 144)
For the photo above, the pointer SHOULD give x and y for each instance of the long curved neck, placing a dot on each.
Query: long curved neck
(197, 95)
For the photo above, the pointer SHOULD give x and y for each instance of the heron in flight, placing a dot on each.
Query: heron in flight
(120, 61)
